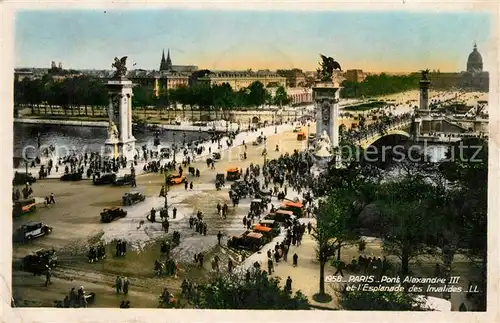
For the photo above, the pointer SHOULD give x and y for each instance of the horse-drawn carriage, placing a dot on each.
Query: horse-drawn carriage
(23, 178)
(257, 206)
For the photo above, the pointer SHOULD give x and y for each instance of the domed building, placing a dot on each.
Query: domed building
(475, 61)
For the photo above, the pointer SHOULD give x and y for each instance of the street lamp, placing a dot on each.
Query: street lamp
(166, 197)
(174, 147)
(308, 126)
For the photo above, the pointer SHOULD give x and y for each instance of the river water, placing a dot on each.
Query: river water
(88, 139)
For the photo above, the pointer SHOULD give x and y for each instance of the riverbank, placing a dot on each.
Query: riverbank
(218, 126)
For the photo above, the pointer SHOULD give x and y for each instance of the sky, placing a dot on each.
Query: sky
(239, 40)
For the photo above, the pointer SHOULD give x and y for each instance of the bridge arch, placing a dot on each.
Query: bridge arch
(370, 141)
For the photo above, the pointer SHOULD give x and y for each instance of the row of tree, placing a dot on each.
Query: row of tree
(377, 85)
(86, 91)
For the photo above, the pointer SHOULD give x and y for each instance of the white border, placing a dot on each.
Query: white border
(7, 314)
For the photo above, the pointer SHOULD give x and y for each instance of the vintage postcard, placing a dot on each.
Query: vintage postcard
(180, 157)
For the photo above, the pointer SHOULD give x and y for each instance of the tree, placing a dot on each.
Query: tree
(381, 301)
(464, 219)
(257, 95)
(235, 291)
(407, 226)
(281, 97)
(330, 225)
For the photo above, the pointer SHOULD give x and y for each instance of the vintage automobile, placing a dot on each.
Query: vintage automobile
(133, 198)
(220, 178)
(264, 196)
(252, 241)
(31, 230)
(108, 178)
(279, 215)
(38, 261)
(258, 205)
(123, 180)
(296, 207)
(297, 129)
(23, 178)
(301, 136)
(177, 179)
(233, 174)
(274, 225)
(240, 187)
(112, 213)
(216, 156)
(23, 206)
(72, 177)
(267, 233)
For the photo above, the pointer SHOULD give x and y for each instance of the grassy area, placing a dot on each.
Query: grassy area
(366, 106)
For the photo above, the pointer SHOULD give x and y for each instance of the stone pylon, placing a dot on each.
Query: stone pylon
(120, 141)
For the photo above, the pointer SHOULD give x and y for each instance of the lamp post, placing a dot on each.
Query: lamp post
(308, 126)
(174, 147)
(167, 186)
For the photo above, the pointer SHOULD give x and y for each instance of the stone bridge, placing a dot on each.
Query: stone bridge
(397, 128)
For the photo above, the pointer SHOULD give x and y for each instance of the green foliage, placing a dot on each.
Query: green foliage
(85, 90)
(259, 292)
(383, 84)
(381, 301)
(366, 106)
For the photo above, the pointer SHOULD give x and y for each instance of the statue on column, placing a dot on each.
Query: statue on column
(120, 65)
(424, 74)
(328, 65)
(113, 132)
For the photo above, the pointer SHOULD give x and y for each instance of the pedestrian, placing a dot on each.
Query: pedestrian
(288, 285)
(174, 212)
(340, 267)
(118, 284)
(285, 252)
(309, 228)
(52, 199)
(295, 260)
(191, 185)
(186, 185)
(270, 267)
(219, 237)
(125, 286)
(48, 274)
(230, 265)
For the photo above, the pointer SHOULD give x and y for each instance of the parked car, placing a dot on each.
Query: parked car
(112, 213)
(31, 230)
(133, 197)
(23, 206)
(72, 177)
(38, 261)
(108, 178)
(233, 174)
(252, 241)
(23, 178)
(123, 180)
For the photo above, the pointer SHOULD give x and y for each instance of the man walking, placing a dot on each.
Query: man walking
(219, 237)
(125, 286)
(48, 274)
(118, 284)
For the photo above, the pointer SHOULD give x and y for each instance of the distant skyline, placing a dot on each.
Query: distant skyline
(240, 40)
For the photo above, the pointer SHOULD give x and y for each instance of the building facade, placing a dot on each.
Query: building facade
(240, 80)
